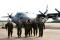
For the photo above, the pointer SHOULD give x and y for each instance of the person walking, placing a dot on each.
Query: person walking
(9, 27)
(19, 28)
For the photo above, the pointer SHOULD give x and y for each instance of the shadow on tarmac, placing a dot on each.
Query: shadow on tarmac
(21, 38)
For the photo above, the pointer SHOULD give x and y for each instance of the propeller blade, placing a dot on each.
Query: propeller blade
(5, 16)
(8, 13)
(8, 18)
(46, 10)
(40, 12)
(11, 13)
(57, 10)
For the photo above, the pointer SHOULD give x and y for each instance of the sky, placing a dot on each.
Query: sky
(31, 6)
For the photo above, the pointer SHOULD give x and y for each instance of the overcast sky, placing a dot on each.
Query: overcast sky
(31, 6)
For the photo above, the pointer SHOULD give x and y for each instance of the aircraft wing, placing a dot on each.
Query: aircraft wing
(54, 16)
(51, 15)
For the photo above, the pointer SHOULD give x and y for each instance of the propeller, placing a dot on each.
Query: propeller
(40, 12)
(46, 10)
(43, 14)
(57, 10)
(9, 16)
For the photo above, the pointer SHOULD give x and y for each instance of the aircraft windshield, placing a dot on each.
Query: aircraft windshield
(20, 15)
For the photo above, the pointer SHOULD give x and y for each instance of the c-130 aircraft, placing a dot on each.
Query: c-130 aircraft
(19, 16)
(54, 16)
(23, 17)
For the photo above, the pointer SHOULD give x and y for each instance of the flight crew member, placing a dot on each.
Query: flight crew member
(29, 27)
(26, 28)
(40, 26)
(34, 25)
(19, 28)
(44, 25)
(9, 27)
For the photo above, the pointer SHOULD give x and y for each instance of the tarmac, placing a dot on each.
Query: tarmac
(48, 34)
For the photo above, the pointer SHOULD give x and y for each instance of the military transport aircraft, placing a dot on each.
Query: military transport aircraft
(22, 16)
(19, 16)
(54, 16)
(46, 16)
